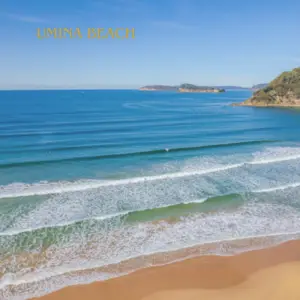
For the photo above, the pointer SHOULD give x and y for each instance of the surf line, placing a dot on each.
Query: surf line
(128, 212)
(65, 187)
(75, 187)
(283, 235)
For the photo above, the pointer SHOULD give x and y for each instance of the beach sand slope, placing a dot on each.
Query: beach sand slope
(267, 274)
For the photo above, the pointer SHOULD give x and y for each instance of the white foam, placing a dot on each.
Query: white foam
(251, 221)
(99, 218)
(124, 213)
(11, 191)
(12, 279)
(268, 156)
(274, 160)
(88, 246)
(279, 188)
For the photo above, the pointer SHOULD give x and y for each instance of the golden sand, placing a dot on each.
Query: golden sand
(268, 274)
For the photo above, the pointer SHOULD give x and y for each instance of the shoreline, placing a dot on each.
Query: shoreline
(266, 105)
(182, 91)
(219, 275)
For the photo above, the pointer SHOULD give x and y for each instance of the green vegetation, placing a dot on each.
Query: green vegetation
(283, 90)
(196, 88)
(190, 86)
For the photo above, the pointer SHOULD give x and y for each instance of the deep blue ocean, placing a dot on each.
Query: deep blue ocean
(90, 179)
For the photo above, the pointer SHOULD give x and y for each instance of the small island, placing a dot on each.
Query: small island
(183, 88)
(283, 91)
(190, 88)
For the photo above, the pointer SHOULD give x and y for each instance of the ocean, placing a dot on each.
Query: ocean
(96, 184)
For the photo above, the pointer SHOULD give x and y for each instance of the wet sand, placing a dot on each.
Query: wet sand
(268, 274)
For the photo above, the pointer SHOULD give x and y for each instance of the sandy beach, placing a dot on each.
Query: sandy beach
(272, 273)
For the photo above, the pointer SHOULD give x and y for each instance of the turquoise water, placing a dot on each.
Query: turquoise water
(93, 178)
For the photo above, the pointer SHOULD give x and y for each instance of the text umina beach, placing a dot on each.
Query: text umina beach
(90, 33)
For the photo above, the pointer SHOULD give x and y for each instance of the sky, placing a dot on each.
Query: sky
(204, 42)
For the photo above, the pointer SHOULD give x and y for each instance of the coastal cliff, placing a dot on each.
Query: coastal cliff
(282, 91)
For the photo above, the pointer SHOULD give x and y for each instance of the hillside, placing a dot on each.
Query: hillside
(282, 91)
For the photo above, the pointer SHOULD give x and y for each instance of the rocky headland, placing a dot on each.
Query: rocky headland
(283, 91)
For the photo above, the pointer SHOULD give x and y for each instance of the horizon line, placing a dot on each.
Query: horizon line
(95, 89)
(48, 88)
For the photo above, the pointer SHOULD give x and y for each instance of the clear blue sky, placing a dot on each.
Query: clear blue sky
(205, 42)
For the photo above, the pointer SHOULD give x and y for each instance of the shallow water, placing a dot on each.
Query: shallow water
(94, 178)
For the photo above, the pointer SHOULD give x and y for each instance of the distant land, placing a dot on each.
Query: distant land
(202, 89)
(231, 87)
(259, 86)
(191, 88)
(158, 88)
(183, 88)
(283, 91)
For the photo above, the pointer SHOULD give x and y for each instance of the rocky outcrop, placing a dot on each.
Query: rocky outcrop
(282, 91)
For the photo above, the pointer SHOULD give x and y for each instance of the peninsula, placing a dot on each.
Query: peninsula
(183, 88)
(283, 91)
